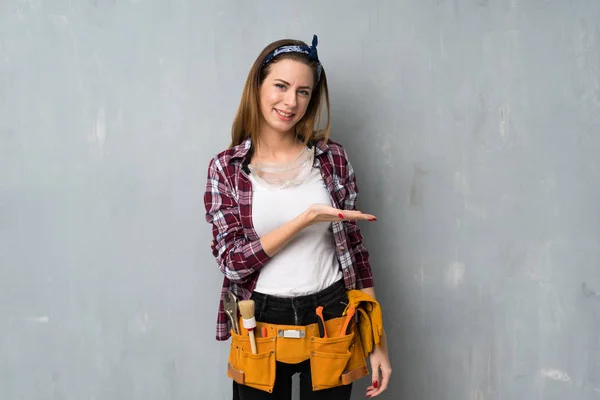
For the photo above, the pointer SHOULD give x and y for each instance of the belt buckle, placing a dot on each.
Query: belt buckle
(291, 333)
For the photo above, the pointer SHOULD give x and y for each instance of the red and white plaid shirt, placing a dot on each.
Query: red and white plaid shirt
(236, 246)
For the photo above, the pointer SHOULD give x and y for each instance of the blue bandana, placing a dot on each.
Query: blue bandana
(310, 51)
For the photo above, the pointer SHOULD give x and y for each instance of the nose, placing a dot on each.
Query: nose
(290, 98)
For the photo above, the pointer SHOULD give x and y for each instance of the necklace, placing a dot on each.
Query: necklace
(274, 175)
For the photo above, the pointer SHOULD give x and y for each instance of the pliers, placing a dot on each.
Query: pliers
(231, 309)
(347, 328)
(321, 322)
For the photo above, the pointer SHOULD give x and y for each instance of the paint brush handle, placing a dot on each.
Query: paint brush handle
(252, 341)
(250, 325)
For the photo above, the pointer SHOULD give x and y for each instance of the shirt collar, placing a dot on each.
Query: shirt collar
(321, 147)
(241, 150)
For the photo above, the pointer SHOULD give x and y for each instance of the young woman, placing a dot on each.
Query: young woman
(281, 201)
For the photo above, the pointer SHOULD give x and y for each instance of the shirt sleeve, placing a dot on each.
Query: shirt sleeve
(237, 257)
(364, 277)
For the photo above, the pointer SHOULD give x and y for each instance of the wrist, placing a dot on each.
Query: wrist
(305, 219)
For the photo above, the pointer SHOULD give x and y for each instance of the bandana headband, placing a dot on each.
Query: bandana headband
(310, 51)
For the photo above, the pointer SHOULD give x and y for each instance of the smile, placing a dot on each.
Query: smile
(286, 115)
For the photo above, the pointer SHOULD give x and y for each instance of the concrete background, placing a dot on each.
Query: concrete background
(474, 130)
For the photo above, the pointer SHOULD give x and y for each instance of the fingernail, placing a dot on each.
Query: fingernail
(375, 384)
(341, 215)
(373, 219)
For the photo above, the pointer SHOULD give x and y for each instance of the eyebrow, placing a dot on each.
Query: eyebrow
(301, 87)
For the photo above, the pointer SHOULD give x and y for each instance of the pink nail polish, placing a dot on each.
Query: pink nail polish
(341, 215)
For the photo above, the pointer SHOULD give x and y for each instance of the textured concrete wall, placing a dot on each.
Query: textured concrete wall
(472, 125)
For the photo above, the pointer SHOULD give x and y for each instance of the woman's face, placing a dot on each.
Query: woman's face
(285, 94)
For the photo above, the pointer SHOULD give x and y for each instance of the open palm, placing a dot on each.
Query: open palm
(326, 213)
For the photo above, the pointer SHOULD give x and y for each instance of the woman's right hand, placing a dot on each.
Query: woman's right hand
(275, 240)
(324, 213)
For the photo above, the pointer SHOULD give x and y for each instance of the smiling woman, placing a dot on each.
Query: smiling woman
(284, 97)
(281, 201)
(286, 70)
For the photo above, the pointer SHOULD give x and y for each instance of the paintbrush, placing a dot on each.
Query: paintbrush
(246, 308)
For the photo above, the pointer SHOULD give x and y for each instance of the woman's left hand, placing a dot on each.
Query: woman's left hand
(381, 370)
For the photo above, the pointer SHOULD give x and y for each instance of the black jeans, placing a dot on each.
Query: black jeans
(296, 311)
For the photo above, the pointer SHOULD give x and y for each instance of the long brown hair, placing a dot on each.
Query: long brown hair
(247, 119)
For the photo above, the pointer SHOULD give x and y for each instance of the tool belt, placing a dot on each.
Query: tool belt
(335, 360)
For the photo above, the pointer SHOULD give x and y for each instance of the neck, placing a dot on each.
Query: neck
(275, 146)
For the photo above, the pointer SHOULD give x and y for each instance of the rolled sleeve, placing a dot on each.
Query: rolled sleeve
(364, 278)
(237, 257)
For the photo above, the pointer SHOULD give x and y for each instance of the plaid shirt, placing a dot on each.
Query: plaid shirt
(236, 245)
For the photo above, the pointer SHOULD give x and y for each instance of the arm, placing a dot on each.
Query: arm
(364, 280)
(275, 240)
(238, 257)
(365, 276)
(316, 213)
(380, 362)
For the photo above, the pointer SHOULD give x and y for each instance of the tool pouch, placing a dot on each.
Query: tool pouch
(370, 319)
(256, 370)
(334, 361)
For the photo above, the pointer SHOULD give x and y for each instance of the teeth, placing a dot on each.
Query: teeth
(283, 114)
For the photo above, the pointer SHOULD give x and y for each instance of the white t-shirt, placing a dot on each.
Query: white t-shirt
(307, 264)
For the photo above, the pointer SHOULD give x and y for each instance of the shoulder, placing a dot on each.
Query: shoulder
(337, 149)
(222, 160)
(337, 154)
(228, 161)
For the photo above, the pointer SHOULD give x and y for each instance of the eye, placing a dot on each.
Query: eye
(305, 92)
(280, 86)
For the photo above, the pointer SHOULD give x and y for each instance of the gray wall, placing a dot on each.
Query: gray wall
(473, 127)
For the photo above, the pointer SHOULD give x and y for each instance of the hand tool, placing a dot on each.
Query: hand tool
(230, 305)
(349, 318)
(321, 322)
(247, 310)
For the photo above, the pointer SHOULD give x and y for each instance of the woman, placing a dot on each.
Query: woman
(281, 201)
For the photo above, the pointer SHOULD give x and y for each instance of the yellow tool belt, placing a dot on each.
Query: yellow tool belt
(338, 359)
